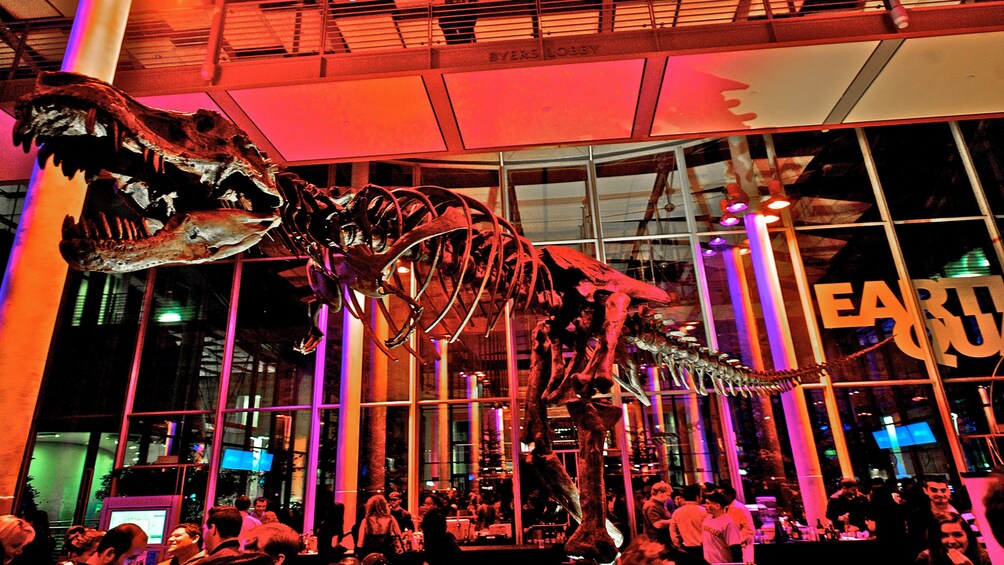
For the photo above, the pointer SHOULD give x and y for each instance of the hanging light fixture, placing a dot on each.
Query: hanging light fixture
(738, 200)
(728, 218)
(777, 200)
(770, 216)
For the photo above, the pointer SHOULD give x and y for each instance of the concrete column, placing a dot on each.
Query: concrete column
(810, 477)
(474, 419)
(376, 432)
(33, 284)
(349, 415)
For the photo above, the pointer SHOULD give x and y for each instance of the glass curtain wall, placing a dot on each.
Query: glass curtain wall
(876, 245)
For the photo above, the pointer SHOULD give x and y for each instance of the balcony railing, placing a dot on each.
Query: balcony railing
(256, 30)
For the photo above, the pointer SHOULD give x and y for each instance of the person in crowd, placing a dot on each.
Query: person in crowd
(260, 508)
(993, 503)
(458, 22)
(654, 513)
(933, 498)
(184, 545)
(846, 507)
(719, 533)
(402, 516)
(617, 510)
(40, 550)
(884, 515)
(79, 543)
(269, 517)
(378, 532)
(280, 542)
(221, 534)
(248, 522)
(124, 544)
(441, 547)
(743, 519)
(686, 526)
(431, 501)
(331, 532)
(643, 551)
(15, 533)
(485, 513)
(952, 542)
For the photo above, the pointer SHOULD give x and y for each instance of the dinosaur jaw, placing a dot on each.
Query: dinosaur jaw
(173, 188)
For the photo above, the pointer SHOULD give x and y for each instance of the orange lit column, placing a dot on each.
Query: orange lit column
(33, 283)
(349, 415)
(442, 450)
(796, 414)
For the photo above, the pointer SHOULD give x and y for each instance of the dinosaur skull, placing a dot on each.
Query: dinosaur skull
(174, 188)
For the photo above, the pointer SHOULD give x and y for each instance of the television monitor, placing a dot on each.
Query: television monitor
(153, 521)
(919, 433)
(257, 460)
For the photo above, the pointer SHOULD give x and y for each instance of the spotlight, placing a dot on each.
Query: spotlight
(728, 218)
(777, 200)
(738, 200)
(770, 217)
(708, 252)
(716, 241)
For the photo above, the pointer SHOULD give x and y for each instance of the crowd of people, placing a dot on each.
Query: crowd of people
(915, 522)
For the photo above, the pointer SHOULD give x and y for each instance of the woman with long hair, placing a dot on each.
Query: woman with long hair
(15, 533)
(379, 532)
(950, 541)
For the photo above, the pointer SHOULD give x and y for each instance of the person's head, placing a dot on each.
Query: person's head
(433, 525)
(269, 517)
(222, 523)
(948, 531)
(661, 492)
(375, 559)
(936, 489)
(692, 493)
(377, 506)
(81, 542)
(15, 533)
(993, 501)
(430, 502)
(260, 506)
(120, 545)
(349, 561)
(730, 493)
(185, 541)
(279, 541)
(849, 487)
(394, 500)
(715, 503)
(242, 503)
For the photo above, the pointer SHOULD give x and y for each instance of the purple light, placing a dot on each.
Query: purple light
(717, 241)
(737, 206)
(709, 252)
(729, 220)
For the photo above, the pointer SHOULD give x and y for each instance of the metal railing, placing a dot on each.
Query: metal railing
(166, 38)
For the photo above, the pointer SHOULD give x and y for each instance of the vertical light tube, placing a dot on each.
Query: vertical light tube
(314, 445)
(474, 417)
(442, 450)
(33, 283)
(796, 414)
(414, 373)
(350, 414)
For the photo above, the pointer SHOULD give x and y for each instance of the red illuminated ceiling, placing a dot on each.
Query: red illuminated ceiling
(599, 88)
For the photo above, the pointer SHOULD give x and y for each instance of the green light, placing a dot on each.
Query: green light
(169, 316)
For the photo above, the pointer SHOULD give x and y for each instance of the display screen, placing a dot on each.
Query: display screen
(240, 460)
(150, 520)
(919, 433)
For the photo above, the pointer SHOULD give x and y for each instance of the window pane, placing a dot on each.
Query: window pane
(824, 175)
(975, 409)
(893, 432)
(383, 451)
(265, 454)
(550, 203)
(640, 196)
(857, 295)
(183, 350)
(955, 270)
(934, 186)
(985, 139)
(101, 314)
(169, 440)
(709, 170)
(271, 321)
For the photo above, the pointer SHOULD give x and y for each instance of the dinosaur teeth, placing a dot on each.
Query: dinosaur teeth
(119, 232)
(104, 224)
(92, 117)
